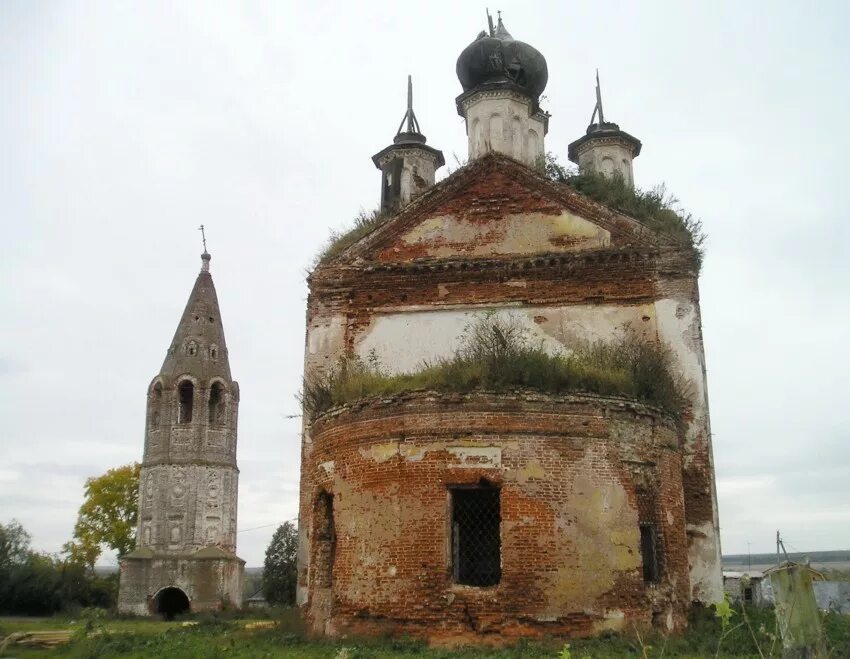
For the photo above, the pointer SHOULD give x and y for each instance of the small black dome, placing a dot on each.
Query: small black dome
(499, 58)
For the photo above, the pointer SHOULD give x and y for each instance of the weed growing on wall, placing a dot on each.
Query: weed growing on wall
(364, 223)
(656, 208)
(496, 353)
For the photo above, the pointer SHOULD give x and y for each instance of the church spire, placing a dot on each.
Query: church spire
(597, 109)
(409, 116)
(408, 166)
(198, 347)
(604, 148)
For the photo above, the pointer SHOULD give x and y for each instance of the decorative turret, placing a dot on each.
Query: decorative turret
(189, 479)
(408, 167)
(605, 148)
(502, 80)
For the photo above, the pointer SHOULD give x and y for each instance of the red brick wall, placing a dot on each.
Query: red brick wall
(569, 469)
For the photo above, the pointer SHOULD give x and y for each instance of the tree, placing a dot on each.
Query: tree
(14, 544)
(279, 571)
(108, 516)
(35, 583)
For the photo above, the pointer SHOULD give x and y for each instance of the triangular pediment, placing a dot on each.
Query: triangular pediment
(496, 207)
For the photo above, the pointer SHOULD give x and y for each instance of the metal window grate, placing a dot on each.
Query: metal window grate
(476, 544)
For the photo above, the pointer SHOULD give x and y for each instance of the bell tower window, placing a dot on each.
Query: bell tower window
(155, 403)
(186, 395)
(217, 404)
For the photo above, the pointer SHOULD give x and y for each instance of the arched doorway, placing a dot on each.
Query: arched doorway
(170, 602)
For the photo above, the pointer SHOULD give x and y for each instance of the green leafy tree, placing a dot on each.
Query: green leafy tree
(14, 544)
(35, 583)
(279, 572)
(107, 517)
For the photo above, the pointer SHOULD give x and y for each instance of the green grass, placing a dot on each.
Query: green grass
(214, 638)
(497, 355)
(339, 241)
(656, 208)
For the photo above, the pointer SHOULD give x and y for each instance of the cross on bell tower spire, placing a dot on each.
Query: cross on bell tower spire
(205, 257)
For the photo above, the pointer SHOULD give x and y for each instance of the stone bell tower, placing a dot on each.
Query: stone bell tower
(186, 539)
(408, 166)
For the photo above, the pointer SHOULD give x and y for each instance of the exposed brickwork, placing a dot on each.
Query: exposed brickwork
(570, 472)
(637, 275)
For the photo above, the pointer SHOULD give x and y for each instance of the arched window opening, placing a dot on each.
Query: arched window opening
(155, 403)
(217, 404)
(325, 547)
(186, 395)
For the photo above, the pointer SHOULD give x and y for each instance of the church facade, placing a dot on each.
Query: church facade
(185, 557)
(519, 513)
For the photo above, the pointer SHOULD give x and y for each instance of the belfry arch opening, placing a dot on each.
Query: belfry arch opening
(186, 395)
(217, 404)
(155, 403)
(170, 602)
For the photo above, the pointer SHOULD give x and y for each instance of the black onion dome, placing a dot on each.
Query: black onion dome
(499, 58)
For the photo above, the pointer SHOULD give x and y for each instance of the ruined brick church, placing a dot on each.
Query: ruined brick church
(520, 513)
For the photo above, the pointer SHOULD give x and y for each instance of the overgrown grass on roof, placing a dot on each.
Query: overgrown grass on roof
(339, 241)
(656, 208)
(496, 353)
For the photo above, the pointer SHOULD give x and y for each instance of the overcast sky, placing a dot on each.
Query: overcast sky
(125, 125)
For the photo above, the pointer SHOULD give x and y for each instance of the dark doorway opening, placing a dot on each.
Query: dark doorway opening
(171, 602)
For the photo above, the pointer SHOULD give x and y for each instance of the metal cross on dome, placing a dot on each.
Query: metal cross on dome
(203, 237)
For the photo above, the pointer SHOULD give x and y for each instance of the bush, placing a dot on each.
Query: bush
(496, 354)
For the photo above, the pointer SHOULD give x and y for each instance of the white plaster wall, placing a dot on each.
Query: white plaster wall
(325, 342)
(608, 158)
(417, 175)
(679, 325)
(418, 171)
(501, 121)
(402, 341)
(517, 233)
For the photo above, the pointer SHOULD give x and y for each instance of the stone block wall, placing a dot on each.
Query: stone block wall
(209, 582)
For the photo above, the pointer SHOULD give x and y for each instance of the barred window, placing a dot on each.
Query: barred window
(649, 552)
(476, 544)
